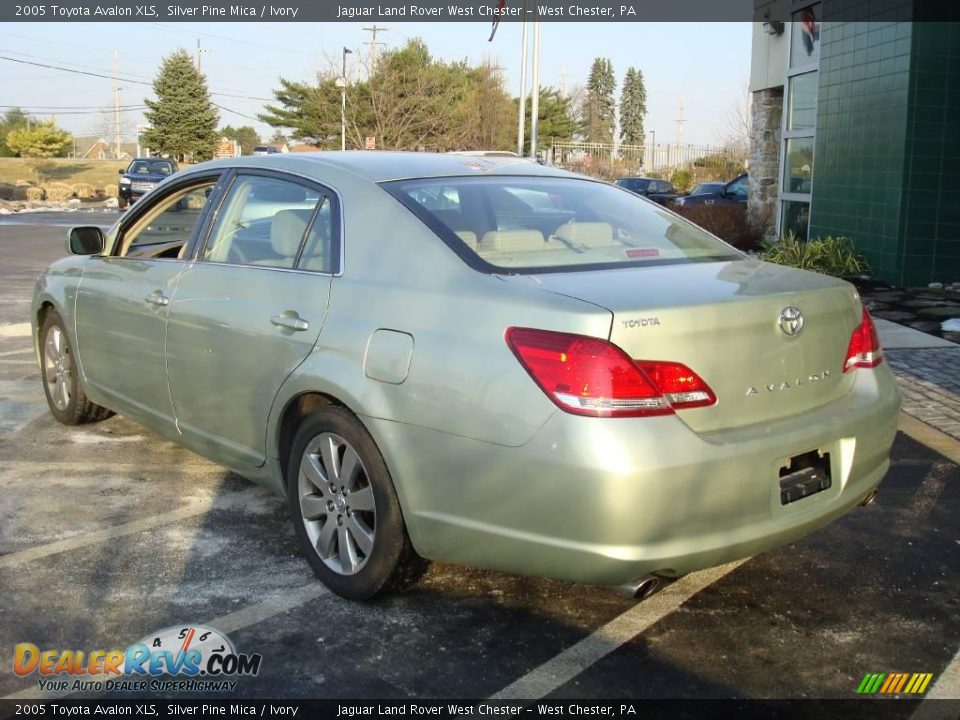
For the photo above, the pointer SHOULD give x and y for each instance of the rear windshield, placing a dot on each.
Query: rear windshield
(531, 224)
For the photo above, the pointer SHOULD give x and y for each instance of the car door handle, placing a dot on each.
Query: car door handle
(290, 323)
(157, 298)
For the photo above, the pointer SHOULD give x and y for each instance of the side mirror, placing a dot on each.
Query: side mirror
(121, 171)
(85, 240)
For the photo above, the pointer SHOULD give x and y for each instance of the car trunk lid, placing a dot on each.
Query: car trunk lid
(723, 320)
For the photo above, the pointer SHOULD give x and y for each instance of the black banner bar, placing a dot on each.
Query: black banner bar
(419, 11)
(860, 709)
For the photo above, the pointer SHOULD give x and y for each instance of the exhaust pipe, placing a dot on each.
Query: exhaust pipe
(868, 500)
(640, 588)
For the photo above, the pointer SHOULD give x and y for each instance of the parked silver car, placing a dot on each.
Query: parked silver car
(475, 359)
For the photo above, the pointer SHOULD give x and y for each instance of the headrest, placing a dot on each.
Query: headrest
(512, 240)
(286, 231)
(589, 234)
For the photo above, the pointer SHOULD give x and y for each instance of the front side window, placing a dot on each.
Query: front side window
(529, 224)
(264, 220)
(165, 229)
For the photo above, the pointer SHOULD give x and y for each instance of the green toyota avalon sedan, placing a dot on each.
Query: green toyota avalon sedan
(473, 359)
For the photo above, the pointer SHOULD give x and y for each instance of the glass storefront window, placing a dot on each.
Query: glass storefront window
(796, 219)
(802, 102)
(805, 38)
(798, 165)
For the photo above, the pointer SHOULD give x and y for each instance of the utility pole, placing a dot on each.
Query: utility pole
(535, 100)
(116, 104)
(522, 120)
(342, 82)
(373, 44)
(199, 53)
(680, 122)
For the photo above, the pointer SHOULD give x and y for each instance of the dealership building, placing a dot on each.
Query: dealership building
(856, 131)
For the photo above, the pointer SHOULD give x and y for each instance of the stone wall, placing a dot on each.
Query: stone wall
(766, 118)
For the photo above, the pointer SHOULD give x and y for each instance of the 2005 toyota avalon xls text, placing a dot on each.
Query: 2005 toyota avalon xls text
(474, 359)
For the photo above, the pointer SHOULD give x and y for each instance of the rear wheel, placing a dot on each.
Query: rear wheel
(345, 509)
(61, 382)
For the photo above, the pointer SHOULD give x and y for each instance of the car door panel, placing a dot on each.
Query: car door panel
(123, 302)
(243, 316)
(232, 340)
(120, 325)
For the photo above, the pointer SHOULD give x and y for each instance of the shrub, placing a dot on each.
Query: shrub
(682, 180)
(35, 193)
(830, 255)
(110, 190)
(84, 191)
(12, 192)
(23, 183)
(57, 191)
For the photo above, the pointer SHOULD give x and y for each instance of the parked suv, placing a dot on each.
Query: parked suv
(141, 176)
(660, 191)
(732, 193)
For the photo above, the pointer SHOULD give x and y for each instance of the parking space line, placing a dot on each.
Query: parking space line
(198, 507)
(22, 351)
(562, 668)
(15, 330)
(281, 602)
(929, 436)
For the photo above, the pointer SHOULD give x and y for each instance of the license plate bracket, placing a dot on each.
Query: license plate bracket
(804, 475)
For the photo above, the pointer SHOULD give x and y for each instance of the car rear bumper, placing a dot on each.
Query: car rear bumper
(606, 501)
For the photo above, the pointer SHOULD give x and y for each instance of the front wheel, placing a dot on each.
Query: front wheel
(122, 202)
(344, 508)
(61, 382)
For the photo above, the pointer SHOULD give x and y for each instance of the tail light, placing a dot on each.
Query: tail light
(589, 376)
(864, 349)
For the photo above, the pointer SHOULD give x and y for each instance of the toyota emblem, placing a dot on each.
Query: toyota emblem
(791, 321)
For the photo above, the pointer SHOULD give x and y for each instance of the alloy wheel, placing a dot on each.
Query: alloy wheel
(57, 367)
(337, 503)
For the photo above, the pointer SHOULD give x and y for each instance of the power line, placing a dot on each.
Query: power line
(44, 108)
(125, 80)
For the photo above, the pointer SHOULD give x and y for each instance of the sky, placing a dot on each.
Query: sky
(706, 65)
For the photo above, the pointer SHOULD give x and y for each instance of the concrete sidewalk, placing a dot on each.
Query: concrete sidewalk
(928, 374)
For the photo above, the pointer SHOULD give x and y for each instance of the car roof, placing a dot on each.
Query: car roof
(381, 166)
(636, 177)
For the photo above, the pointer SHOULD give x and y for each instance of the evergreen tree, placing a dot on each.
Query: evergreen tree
(554, 117)
(633, 108)
(183, 120)
(599, 112)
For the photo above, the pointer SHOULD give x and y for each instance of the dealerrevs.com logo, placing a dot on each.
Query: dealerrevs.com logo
(189, 659)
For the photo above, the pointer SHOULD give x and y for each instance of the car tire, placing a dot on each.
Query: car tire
(61, 382)
(351, 530)
(121, 202)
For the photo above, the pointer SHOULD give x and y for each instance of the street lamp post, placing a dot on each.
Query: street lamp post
(342, 84)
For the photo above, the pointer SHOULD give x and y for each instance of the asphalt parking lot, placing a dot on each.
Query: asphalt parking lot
(109, 533)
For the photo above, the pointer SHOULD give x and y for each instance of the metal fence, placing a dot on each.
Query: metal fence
(660, 158)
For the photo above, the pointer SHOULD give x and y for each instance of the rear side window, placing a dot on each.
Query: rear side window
(530, 224)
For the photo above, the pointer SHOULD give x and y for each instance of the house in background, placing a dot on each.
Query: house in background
(96, 148)
(855, 131)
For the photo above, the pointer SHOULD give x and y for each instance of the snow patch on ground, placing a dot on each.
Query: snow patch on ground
(951, 325)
